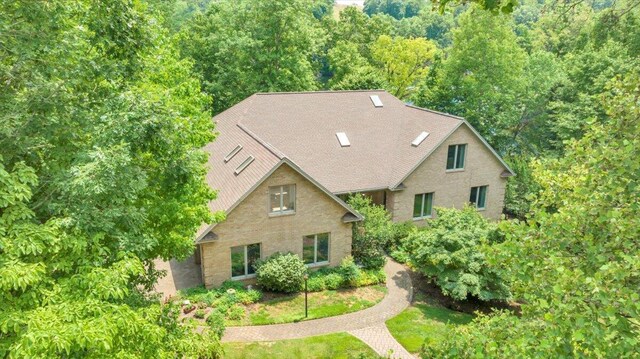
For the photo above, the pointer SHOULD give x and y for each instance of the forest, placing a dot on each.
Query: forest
(105, 106)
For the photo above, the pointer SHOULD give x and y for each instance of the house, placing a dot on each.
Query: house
(284, 162)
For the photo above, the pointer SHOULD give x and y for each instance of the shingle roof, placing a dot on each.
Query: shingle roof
(302, 127)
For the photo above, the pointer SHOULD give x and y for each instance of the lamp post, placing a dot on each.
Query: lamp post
(306, 306)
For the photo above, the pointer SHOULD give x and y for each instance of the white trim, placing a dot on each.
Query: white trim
(315, 262)
(486, 191)
(246, 261)
(456, 152)
(424, 195)
(292, 190)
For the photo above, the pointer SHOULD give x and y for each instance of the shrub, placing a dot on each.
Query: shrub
(281, 273)
(249, 296)
(215, 320)
(316, 283)
(236, 312)
(349, 269)
(372, 235)
(200, 313)
(369, 277)
(451, 250)
(333, 281)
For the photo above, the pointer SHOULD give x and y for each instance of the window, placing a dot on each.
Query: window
(478, 196)
(315, 248)
(422, 205)
(455, 157)
(282, 199)
(243, 258)
(233, 152)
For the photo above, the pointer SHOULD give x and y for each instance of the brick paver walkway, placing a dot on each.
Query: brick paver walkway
(368, 325)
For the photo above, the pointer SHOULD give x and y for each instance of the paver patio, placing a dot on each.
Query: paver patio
(368, 325)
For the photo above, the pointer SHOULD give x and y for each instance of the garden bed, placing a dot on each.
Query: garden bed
(331, 293)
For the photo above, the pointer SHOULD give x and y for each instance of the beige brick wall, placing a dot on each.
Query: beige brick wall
(452, 189)
(250, 223)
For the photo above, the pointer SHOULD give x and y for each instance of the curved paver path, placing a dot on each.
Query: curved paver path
(368, 325)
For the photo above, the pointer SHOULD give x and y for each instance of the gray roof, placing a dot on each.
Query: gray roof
(301, 128)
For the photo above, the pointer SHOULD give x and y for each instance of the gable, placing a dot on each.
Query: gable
(312, 201)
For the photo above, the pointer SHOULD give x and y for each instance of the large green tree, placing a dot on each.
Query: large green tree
(101, 172)
(248, 46)
(575, 263)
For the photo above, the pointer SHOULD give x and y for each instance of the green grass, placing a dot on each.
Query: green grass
(422, 323)
(339, 345)
(321, 304)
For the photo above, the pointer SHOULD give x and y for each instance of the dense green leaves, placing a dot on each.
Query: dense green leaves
(101, 173)
(575, 263)
(243, 47)
(452, 249)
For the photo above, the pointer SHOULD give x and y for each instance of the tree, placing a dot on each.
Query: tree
(574, 263)
(248, 46)
(403, 62)
(481, 77)
(372, 235)
(101, 173)
(452, 250)
(397, 8)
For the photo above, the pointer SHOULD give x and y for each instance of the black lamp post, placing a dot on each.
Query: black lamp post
(306, 306)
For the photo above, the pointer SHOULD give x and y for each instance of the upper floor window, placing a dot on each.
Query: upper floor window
(479, 197)
(282, 199)
(423, 205)
(455, 157)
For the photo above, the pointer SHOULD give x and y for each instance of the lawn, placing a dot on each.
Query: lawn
(321, 304)
(423, 322)
(339, 345)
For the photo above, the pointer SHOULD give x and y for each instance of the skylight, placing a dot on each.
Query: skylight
(244, 164)
(343, 139)
(232, 153)
(376, 100)
(421, 137)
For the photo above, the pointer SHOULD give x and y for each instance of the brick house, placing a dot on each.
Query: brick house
(283, 163)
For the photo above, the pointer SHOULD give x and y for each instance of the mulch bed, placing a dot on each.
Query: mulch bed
(428, 291)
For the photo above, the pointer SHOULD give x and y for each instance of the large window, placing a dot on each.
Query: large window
(455, 157)
(243, 258)
(282, 199)
(423, 205)
(479, 196)
(315, 248)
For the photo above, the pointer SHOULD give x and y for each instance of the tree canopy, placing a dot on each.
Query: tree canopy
(101, 173)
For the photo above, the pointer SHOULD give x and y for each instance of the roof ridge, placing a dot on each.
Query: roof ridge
(276, 152)
(315, 92)
(434, 111)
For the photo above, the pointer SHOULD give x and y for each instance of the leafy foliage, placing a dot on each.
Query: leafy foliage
(101, 173)
(452, 249)
(243, 47)
(370, 236)
(397, 8)
(281, 273)
(348, 275)
(574, 263)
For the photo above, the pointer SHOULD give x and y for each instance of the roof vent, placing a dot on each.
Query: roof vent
(376, 100)
(244, 164)
(421, 137)
(343, 139)
(233, 152)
